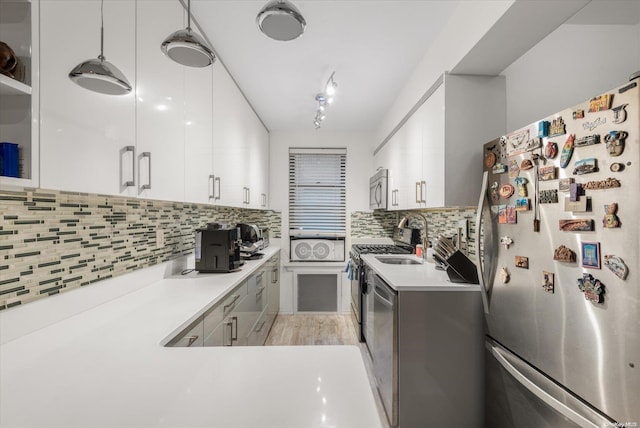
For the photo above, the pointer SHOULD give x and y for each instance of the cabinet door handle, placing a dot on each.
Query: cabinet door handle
(248, 195)
(259, 329)
(423, 191)
(228, 325)
(128, 183)
(418, 191)
(233, 302)
(216, 197)
(264, 199)
(148, 185)
(234, 320)
(259, 293)
(212, 184)
(191, 339)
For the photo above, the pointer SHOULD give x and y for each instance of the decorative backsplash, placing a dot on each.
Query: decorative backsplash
(445, 221)
(53, 241)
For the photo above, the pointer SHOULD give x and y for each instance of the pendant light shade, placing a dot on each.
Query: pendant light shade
(187, 48)
(98, 74)
(281, 20)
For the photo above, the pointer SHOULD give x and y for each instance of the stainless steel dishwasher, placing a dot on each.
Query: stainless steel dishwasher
(384, 345)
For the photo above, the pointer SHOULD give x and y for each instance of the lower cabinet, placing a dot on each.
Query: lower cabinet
(243, 317)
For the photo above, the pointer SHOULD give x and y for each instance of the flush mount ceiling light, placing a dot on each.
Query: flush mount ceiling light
(281, 20)
(324, 99)
(98, 74)
(187, 48)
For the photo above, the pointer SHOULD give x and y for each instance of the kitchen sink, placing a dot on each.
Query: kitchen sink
(398, 261)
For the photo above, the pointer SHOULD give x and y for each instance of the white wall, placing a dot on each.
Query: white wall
(359, 160)
(572, 64)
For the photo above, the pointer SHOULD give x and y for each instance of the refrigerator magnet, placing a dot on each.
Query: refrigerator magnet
(490, 159)
(616, 265)
(582, 205)
(522, 262)
(499, 168)
(608, 183)
(512, 214)
(514, 168)
(506, 191)
(592, 288)
(564, 184)
(564, 254)
(523, 204)
(586, 166)
(506, 241)
(589, 140)
(610, 219)
(590, 254)
(505, 276)
(502, 214)
(526, 164)
(578, 114)
(557, 127)
(615, 142)
(576, 225)
(543, 128)
(521, 184)
(551, 150)
(546, 173)
(600, 103)
(619, 113)
(567, 151)
(548, 279)
(548, 196)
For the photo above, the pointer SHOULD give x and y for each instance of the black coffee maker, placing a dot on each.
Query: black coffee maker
(217, 249)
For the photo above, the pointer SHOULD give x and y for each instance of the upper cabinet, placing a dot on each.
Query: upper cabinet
(434, 158)
(18, 94)
(87, 139)
(183, 134)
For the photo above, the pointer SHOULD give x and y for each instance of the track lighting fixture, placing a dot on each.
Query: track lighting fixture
(324, 99)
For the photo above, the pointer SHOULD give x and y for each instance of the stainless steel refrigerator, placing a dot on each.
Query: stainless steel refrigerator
(558, 238)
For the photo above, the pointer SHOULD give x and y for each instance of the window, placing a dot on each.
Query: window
(317, 190)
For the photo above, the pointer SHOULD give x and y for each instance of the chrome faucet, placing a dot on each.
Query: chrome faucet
(425, 231)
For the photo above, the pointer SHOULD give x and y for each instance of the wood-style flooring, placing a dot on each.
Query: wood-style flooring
(323, 329)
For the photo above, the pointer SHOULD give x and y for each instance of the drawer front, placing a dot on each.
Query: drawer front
(214, 316)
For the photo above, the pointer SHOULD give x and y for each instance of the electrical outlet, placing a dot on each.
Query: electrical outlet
(464, 226)
(159, 238)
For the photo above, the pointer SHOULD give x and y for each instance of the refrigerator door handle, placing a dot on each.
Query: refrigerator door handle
(545, 396)
(479, 264)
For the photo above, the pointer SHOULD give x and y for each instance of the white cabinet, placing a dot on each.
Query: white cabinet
(240, 147)
(160, 110)
(85, 135)
(434, 159)
(19, 29)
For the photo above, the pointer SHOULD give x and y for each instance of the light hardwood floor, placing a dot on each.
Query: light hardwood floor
(323, 329)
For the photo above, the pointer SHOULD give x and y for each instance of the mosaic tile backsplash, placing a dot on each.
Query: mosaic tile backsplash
(377, 224)
(52, 241)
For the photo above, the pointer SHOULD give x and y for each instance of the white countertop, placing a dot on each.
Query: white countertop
(105, 367)
(416, 277)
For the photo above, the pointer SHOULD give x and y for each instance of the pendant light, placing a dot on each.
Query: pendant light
(98, 74)
(187, 48)
(281, 20)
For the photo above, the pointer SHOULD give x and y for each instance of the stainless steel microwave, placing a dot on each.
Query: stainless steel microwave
(378, 190)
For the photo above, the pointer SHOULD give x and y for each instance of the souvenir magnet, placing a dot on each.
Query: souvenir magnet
(609, 183)
(512, 215)
(589, 140)
(592, 288)
(523, 204)
(576, 225)
(506, 190)
(601, 103)
(521, 183)
(616, 265)
(551, 150)
(557, 127)
(578, 114)
(533, 144)
(619, 113)
(522, 262)
(610, 219)
(548, 281)
(499, 168)
(586, 166)
(543, 128)
(567, 151)
(495, 196)
(546, 173)
(579, 206)
(526, 164)
(502, 214)
(593, 125)
(514, 169)
(615, 142)
(516, 143)
(564, 254)
(590, 254)
(506, 241)
(548, 196)
(616, 167)
(505, 276)
(489, 159)
(575, 191)
(564, 185)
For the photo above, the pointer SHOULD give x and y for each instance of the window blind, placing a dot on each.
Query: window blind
(317, 190)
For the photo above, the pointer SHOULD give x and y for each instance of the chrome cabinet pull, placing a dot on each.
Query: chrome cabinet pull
(264, 199)
(212, 188)
(248, 195)
(216, 180)
(224, 333)
(148, 185)
(128, 183)
(234, 320)
(233, 302)
(423, 191)
(259, 329)
(191, 339)
(418, 191)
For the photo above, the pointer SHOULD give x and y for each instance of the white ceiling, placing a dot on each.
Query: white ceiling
(373, 46)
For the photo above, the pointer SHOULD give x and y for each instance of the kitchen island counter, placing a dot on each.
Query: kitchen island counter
(106, 367)
(414, 277)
